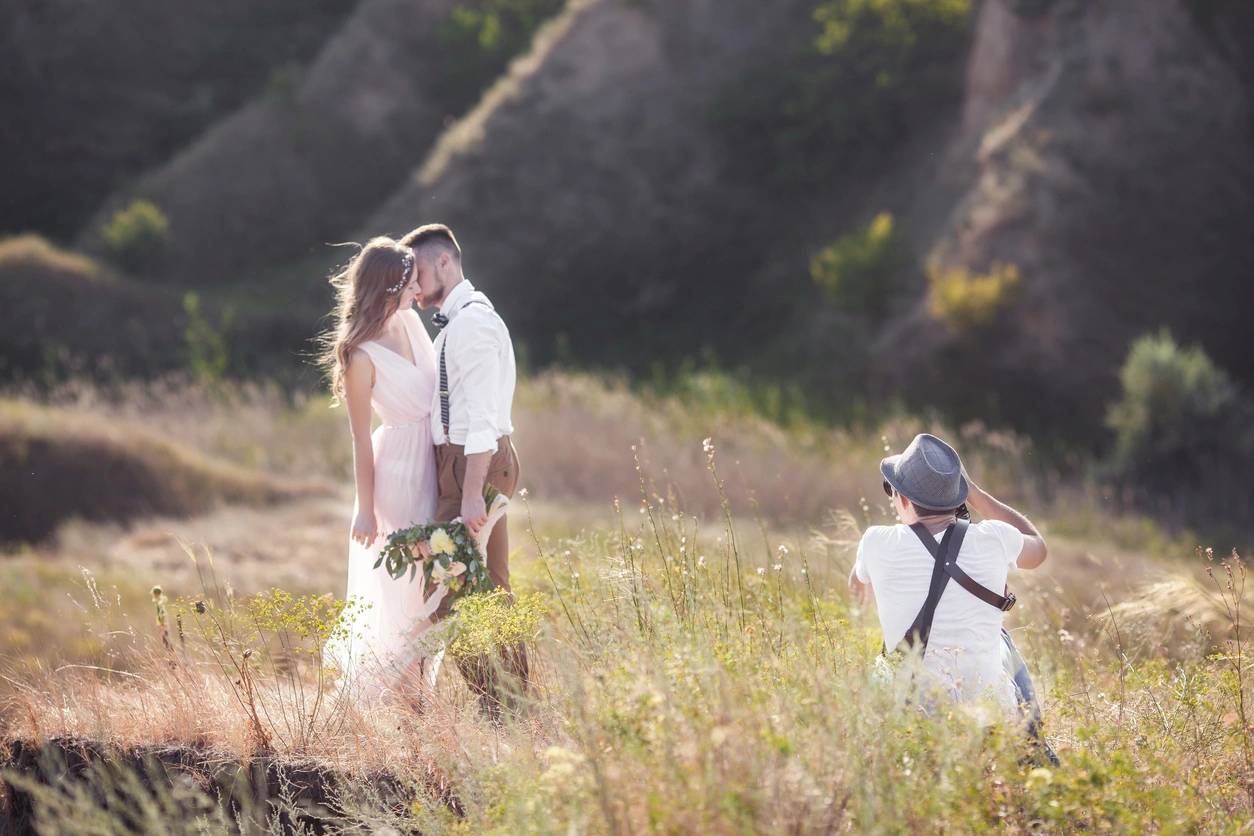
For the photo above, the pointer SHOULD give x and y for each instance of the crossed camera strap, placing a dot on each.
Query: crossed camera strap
(945, 555)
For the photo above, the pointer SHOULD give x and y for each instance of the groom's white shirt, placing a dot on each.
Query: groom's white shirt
(481, 373)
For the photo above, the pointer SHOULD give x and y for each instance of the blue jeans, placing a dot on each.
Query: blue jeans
(1025, 693)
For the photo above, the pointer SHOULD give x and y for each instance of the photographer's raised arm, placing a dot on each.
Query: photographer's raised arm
(986, 505)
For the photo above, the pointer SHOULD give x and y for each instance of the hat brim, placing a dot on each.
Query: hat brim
(888, 469)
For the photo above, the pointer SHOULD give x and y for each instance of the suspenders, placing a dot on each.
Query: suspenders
(946, 567)
(444, 391)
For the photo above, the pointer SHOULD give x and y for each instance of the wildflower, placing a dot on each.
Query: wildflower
(523, 494)
(707, 445)
(701, 560)
(761, 570)
(441, 543)
(778, 567)
(783, 550)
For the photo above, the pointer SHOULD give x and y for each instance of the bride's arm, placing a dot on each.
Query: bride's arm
(358, 381)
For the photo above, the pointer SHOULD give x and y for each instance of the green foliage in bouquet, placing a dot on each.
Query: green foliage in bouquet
(446, 553)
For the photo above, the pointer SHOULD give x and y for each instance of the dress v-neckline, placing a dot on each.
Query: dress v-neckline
(410, 339)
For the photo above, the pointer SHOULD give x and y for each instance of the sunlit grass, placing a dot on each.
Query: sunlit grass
(691, 677)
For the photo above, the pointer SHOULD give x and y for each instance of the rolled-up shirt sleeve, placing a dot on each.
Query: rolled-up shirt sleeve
(859, 566)
(480, 375)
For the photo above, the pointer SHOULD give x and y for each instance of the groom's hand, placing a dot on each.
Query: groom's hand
(474, 512)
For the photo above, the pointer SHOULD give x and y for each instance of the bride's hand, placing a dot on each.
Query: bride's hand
(365, 529)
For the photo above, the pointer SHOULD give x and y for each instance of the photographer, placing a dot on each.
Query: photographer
(939, 581)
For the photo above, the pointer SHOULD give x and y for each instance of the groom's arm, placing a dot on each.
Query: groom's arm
(474, 511)
(480, 381)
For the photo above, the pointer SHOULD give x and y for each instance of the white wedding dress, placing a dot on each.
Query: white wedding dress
(386, 619)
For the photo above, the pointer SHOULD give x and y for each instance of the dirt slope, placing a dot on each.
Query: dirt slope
(298, 167)
(1108, 151)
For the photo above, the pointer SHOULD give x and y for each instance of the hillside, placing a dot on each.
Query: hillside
(298, 166)
(660, 187)
(61, 312)
(58, 467)
(1093, 147)
(600, 195)
(1107, 150)
(97, 93)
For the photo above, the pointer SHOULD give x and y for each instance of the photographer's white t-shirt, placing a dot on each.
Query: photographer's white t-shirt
(964, 648)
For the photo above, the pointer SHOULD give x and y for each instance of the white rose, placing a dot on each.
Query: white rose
(441, 543)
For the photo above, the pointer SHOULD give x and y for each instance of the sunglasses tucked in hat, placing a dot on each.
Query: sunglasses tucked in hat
(928, 473)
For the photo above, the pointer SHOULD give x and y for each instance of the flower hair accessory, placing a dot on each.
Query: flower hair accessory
(407, 267)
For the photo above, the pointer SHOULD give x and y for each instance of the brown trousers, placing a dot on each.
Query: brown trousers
(450, 466)
(450, 463)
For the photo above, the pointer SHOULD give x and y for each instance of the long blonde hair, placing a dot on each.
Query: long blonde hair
(367, 292)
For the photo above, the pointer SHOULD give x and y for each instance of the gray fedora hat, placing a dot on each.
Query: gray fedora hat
(928, 473)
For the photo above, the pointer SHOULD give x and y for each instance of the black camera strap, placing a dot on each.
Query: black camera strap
(950, 543)
(945, 555)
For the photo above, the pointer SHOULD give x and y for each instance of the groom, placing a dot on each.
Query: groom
(470, 416)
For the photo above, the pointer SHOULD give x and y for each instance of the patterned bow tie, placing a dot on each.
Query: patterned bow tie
(440, 321)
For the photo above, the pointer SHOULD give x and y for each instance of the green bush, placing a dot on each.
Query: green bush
(861, 271)
(1180, 420)
(859, 83)
(208, 354)
(137, 236)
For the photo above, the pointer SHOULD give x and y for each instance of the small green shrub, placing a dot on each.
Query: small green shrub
(208, 355)
(861, 271)
(137, 236)
(1179, 418)
(966, 301)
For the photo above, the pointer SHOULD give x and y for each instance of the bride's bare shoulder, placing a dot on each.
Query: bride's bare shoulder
(415, 320)
(359, 364)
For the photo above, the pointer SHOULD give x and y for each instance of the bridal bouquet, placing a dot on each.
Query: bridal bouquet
(448, 554)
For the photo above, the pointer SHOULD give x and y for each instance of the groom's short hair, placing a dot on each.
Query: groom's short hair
(429, 234)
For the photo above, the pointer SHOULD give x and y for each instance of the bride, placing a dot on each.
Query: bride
(379, 355)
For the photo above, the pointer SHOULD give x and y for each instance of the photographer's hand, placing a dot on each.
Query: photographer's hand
(862, 592)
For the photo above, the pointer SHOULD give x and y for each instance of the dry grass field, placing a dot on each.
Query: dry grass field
(698, 665)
